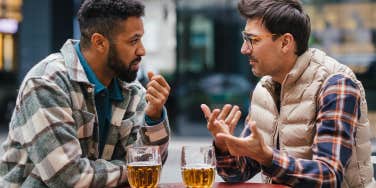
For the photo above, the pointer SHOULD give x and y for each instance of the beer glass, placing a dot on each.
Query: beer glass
(198, 166)
(144, 166)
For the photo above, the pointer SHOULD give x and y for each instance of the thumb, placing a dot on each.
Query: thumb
(150, 75)
(228, 138)
(223, 137)
(254, 129)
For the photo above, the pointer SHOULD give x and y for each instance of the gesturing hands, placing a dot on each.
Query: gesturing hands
(252, 146)
(157, 92)
(221, 121)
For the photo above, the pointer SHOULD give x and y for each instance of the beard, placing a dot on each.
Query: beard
(123, 71)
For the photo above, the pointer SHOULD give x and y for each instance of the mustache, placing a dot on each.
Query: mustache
(136, 60)
(251, 58)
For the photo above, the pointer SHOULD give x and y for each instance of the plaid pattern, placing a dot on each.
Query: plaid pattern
(53, 135)
(338, 113)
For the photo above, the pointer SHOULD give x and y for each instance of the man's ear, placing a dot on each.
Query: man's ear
(288, 42)
(99, 42)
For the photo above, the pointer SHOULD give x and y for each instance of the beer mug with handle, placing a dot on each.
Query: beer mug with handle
(144, 166)
(198, 166)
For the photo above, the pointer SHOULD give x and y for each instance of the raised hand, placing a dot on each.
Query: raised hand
(252, 146)
(157, 92)
(229, 116)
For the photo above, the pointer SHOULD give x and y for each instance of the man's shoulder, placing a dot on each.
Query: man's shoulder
(51, 69)
(329, 64)
(48, 67)
(338, 78)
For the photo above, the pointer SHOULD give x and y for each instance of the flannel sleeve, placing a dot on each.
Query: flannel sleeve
(145, 132)
(236, 169)
(338, 112)
(45, 127)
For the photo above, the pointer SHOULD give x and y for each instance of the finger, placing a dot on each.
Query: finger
(154, 100)
(254, 129)
(232, 114)
(230, 140)
(154, 83)
(155, 87)
(150, 75)
(235, 121)
(247, 118)
(221, 126)
(161, 80)
(250, 117)
(206, 110)
(224, 112)
(159, 93)
(212, 118)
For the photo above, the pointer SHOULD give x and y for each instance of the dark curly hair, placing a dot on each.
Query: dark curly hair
(280, 17)
(104, 16)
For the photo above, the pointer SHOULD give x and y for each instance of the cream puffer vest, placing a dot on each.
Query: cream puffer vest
(295, 126)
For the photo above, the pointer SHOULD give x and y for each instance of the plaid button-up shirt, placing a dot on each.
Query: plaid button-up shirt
(53, 134)
(339, 104)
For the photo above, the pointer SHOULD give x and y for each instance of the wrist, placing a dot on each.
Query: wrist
(267, 159)
(154, 114)
(221, 147)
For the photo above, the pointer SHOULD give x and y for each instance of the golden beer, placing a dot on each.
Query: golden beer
(198, 176)
(143, 174)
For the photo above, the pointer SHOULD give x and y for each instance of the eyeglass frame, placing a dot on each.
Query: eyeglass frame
(250, 38)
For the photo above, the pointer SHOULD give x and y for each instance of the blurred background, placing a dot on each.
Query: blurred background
(195, 44)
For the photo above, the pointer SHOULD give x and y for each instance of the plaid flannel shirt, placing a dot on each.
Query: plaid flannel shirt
(53, 134)
(338, 113)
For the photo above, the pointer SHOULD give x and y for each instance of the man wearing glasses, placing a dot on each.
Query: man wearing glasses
(80, 109)
(307, 125)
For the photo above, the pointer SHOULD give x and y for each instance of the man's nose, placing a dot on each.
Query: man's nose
(141, 50)
(245, 49)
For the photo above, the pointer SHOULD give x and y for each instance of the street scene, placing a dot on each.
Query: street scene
(212, 52)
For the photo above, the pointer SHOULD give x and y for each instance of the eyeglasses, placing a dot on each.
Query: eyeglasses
(253, 39)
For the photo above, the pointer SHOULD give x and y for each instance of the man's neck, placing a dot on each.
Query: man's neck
(289, 65)
(98, 65)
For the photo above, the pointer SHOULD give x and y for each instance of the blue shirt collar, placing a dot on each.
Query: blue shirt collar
(114, 87)
(115, 90)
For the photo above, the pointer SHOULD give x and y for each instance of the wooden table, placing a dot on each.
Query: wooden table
(226, 185)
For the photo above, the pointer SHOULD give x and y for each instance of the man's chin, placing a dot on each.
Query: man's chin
(255, 73)
(128, 78)
(135, 67)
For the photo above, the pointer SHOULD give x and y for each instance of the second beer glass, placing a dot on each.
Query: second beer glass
(144, 166)
(198, 166)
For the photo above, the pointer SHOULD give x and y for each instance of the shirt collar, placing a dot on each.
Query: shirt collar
(114, 87)
(115, 90)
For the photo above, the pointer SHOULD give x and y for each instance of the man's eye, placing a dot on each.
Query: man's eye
(135, 41)
(254, 39)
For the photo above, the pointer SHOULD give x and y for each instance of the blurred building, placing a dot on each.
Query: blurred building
(194, 43)
(10, 17)
(210, 68)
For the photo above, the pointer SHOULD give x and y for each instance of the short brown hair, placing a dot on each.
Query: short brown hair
(280, 17)
(103, 16)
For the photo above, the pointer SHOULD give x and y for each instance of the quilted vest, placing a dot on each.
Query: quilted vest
(295, 125)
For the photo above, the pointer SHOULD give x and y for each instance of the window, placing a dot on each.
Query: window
(7, 52)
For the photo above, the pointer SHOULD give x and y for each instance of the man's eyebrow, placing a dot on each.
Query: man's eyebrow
(249, 34)
(136, 36)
